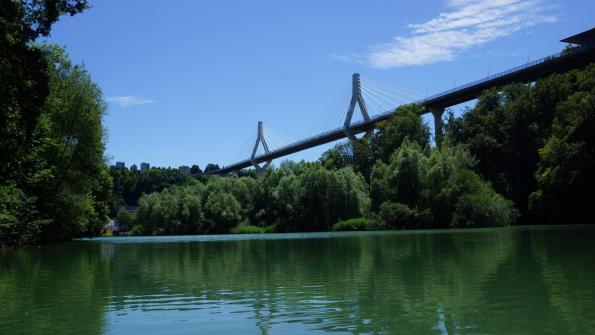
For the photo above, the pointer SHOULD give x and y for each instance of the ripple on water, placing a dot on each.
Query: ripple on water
(496, 281)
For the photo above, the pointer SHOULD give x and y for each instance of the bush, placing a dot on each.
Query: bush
(248, 229)
(351, 225)
(483, 210)
(126, 219)
(137, 230)
(396, 215)
(222, 212)
(17, 223)
(270, 229)
(400, 216)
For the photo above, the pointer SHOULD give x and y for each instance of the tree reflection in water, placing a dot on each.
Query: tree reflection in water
(497, 281)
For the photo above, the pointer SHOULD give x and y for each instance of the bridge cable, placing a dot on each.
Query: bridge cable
(392, 88)
(274, 139)
(388, 95)
(246, 148)
(385, 103)
(328, 114)
(333, 114)
(374, 104)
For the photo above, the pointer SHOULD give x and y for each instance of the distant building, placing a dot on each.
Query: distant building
(144, 166)
(115, 227)
(185, 170)
(120, 165)
(111, 225)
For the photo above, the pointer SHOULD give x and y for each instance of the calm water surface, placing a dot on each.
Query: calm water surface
(498, 281)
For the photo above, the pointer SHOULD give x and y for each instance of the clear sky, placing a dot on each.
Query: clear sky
(187, 81)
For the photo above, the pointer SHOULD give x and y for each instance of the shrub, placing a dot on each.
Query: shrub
(222, 212)
(270, 229)
(137, 230)
(351, 225)
(483, 210)
(248, 229)
(126, 219)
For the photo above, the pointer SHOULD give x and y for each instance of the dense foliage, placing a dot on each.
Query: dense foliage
(435, 189)
(535, 144)
(62, 188)
(53, 180)
(295, 197)
(130, 184)
(381, 143)
(415, 188)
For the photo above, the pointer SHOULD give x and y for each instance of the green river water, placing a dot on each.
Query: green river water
(537, 280)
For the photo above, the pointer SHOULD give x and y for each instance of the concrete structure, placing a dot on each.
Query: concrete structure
(120, 165)
(260, 140)
(569, 59)
(144, 166)
(586, 38)
(356, 98)
(115, 227)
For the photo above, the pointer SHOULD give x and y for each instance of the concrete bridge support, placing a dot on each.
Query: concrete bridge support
(260, 140)
(356, 99)
(438, 125)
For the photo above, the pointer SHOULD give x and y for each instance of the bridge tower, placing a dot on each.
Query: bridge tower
(260, 140)
(356, 99)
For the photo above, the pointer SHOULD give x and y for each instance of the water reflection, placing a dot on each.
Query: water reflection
(526, 281)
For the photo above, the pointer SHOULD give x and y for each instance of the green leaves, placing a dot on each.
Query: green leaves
(20, 223)
(390, 134)
(295, 197)
(566, 171)
(418, 189)
(535, 145)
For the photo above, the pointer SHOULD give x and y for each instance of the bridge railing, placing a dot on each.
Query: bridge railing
(504, 73)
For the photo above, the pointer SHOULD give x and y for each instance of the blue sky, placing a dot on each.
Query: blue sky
(187, 81)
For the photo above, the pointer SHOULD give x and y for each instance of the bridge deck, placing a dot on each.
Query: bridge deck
(526, 73)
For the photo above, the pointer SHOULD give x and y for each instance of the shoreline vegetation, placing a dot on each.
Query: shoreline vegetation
(523, 155)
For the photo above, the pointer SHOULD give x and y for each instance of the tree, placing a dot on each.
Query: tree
(222, 212)
(313, 199)
(210, 168)
(195, 171)
(437, 189)
(405, 124)
(129, 186)
(566, 171)
(74, 182)
(362, 154)
(25, 77)
(515, 133)
(338, 157)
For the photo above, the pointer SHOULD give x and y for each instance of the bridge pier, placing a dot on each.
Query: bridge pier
(260, 141)
(356, 99)
(438, 125)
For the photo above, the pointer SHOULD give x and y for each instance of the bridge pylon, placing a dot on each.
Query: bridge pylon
(260, 140)
(356, 99)
(438, 125)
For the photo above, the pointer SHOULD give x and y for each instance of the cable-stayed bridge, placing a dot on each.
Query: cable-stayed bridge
(377, 102)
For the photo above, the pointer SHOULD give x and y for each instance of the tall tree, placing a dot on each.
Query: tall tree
(53, 182)
(515, 130)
